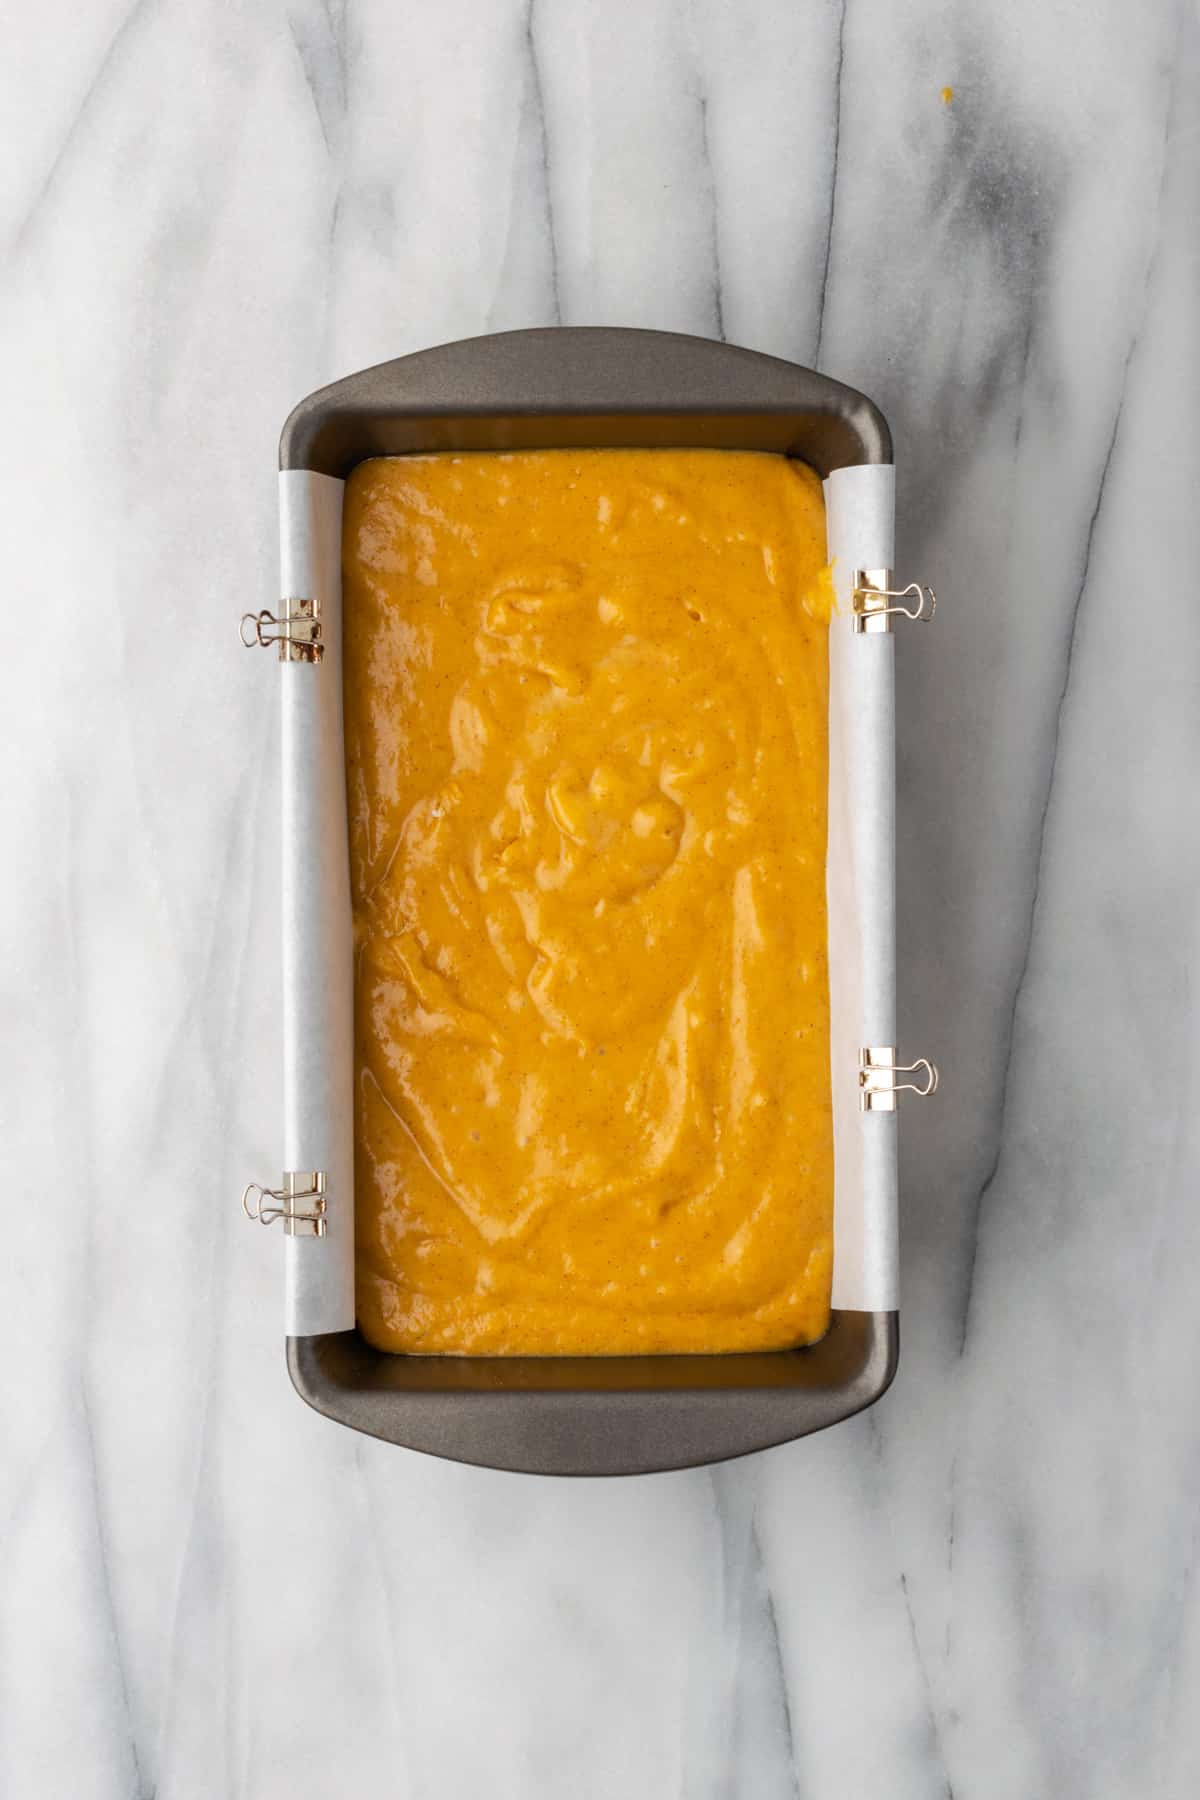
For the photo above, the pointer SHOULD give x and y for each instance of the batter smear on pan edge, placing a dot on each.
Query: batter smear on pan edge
(586, 746)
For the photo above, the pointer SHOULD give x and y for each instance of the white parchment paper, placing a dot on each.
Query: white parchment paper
(860, 889)
(318, 989)
(318, 971)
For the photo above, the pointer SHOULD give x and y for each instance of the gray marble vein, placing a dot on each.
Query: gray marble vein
(718, 311)
(823, 280)
(756, 1752)
(986, 1588)
(539, 113)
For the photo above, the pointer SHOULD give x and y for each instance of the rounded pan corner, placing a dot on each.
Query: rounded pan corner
(493, 392)
(603, 1416)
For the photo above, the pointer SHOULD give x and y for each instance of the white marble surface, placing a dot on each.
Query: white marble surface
(988, 1586)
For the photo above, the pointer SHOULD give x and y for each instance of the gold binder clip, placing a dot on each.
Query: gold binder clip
(875, 603)
(877, 1083)
(298, 632)
(306, 1185)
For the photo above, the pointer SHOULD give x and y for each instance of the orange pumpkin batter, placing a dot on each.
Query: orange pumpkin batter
(586, 721)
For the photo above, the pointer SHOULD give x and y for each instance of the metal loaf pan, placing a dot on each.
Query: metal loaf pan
(596, 387)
